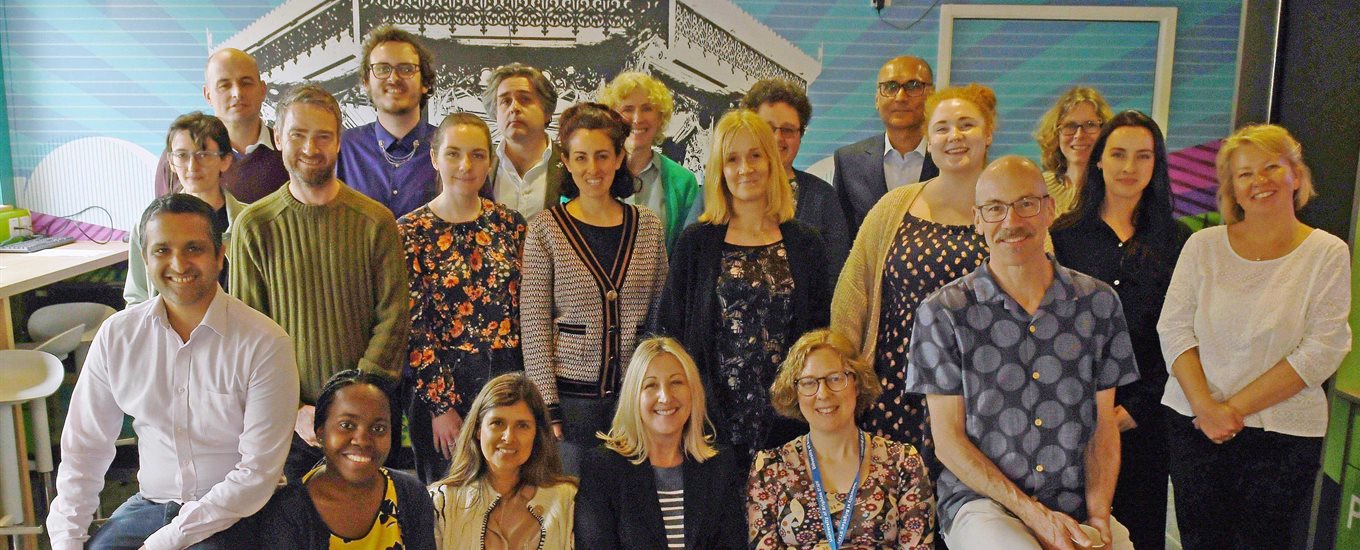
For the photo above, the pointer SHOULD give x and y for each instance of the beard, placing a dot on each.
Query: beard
(311, 177)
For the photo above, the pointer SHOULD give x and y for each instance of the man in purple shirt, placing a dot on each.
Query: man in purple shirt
(389, 160)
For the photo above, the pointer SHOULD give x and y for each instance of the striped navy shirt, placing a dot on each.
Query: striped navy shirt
(670, 492)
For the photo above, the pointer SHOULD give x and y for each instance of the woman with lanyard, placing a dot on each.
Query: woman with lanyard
(865, 491)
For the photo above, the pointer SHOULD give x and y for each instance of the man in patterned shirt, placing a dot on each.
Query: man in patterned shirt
(1019, 361)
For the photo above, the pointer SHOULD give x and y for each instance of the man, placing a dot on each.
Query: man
(388, 160)
(1019, 361)
(233, 88)
(323, 261)
(527, 171)
(785, 107)
(866, 170)
(211, 386)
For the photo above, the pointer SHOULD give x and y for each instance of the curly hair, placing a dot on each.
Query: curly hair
(784, 391)
(1046, 132)
(628, 83)
(780, 90)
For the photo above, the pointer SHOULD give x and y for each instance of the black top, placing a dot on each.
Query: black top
(289, 520)
(220, 223)
(1140, 275)
(603, 241)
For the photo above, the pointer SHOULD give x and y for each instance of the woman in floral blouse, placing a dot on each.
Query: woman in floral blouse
(837, 482)
(463, 252)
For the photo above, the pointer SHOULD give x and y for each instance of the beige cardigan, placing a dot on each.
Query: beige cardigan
(460, 514)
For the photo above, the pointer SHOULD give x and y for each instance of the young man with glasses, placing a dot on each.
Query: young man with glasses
(389, 159)
(866, 170)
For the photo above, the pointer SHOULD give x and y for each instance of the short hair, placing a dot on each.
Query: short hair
(390, 33)
(784, 391)
(717, 198)
(780, 90)
(627, 436)
(980, 96)
(201, 128)
(537, 80)
(1046, 132)
(350, 377)
(309, 94)
(181, 203)
(459, 119)
(1274, 140)
(595, 116)
(628, 83)
(544, 467)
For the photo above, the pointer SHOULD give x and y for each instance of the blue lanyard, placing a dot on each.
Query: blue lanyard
(832, 536)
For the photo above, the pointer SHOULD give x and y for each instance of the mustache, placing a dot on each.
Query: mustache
(1013, 232)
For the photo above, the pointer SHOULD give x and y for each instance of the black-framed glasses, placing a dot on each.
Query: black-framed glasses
(1089, 127)
(786, 131)
(181, 158)
(914, 88)
(836, 381)
(1025, 207)
(384, 70)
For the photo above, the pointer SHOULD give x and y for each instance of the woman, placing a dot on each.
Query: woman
(1254, 323)
(769, 272)
(463, 253)
(1122, 232)
(1065, 134)
(506, 489)
(593, 269)
(660, 183)
(658, 481)
(836, 486)
(350, 500)
(915, 240)
(199, 151)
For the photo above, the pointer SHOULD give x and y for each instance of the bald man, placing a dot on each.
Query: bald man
(867, 170)
(1019, 361)
(232, 86)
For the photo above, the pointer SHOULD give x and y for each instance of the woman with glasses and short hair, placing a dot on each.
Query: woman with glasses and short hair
(836, 485)
(1065, 134)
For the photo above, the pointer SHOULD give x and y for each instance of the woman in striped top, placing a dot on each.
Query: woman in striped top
(658, 481)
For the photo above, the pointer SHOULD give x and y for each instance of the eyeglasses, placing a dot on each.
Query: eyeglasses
(914, 88)
(181, 158)
(1088, 127)
(786, 131)
(1025, 207)
(808, 385)
(384, 70)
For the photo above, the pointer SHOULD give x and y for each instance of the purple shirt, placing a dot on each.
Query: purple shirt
(394, 172)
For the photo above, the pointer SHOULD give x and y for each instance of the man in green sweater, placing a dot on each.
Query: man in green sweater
(324, 261)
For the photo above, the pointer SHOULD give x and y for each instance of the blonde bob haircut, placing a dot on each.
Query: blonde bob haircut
(627, 436)
(628, 83)
(1046, 132)
(784, 391)
(980, 96)
(717, 198)
(1274, 140)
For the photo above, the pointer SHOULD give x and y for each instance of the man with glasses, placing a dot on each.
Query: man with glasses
(786, 108)
(389, 159)
(866, 170)
(1019, 361)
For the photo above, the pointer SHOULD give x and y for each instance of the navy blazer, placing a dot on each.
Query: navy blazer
(819, 207)
(859, 179)
(617, 507)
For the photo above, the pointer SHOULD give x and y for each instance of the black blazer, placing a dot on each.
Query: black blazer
(819, 207)
(616, 505)
(859, 179)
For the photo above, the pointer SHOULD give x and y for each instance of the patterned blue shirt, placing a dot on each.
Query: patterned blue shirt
(398, 173)
(1028, 383)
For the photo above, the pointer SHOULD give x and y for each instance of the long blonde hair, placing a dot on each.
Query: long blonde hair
(717, 199)
(627, 436)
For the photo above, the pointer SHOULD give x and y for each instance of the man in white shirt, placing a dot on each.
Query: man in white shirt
(211, 385)
(527, 173)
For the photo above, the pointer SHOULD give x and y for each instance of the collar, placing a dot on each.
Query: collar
(546, 158)
(920, 147)
(391, 142)
(988, 290)
(215, 318)
(656, 161)
(265, 140)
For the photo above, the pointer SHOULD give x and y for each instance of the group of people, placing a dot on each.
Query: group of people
(593, 348)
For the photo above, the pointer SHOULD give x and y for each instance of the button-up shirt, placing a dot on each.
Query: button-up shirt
(213, 417)
(528, 193)
(1028, 382)
(395, 172)
(902, 168)
(650, 190)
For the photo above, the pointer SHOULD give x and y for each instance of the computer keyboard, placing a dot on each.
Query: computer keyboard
(35, 244)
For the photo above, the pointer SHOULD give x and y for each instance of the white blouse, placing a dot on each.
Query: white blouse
(1244, 316)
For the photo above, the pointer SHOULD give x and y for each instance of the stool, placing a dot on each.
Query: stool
(31, 376)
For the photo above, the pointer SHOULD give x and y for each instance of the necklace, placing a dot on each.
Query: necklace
(395, 161)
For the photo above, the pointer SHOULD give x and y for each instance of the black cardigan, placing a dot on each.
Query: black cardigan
(290, 520)
(617, 507)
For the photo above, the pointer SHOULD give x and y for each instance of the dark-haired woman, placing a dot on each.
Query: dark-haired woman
(593, 268)
(1122, 232)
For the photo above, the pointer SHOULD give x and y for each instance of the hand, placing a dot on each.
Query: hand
(557, 430)
(444, 429)
(1123, 419)
(1054, 530)
(1101, 524)
(1219, 421)
(306, 426)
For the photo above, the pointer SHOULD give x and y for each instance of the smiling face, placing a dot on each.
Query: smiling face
(311, 144)
(181, 260)
(395, 94)
(1262, 183)
(827, 410)
(357, 433)
(788, 130)
(1127, 162)
(959, 136)
(197, 175)
(665, 399)
(463, 159)
(644, 117)
(506, 437)
(520, 113)
(1077, 147)
(1015, 239)
(592, 161)
(232, 86)
(745, 168)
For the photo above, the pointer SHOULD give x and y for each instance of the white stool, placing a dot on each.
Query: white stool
(30, 377)
(49, 321)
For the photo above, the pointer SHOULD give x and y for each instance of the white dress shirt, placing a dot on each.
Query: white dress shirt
(525, 194)
(213, 416)
(902, 168)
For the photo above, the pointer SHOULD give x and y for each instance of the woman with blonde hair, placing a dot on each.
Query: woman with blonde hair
(658, 481)
(1065, 135)
(506, 488)
(659, 183)
(1255, 321)
(745, 282)
(836, 486)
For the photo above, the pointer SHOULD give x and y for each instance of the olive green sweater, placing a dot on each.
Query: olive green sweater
(333, 276)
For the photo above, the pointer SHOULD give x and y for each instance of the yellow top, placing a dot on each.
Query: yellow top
(385, 534)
